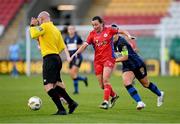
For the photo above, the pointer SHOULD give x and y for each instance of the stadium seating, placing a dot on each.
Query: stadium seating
(8, 10)
(171, 22)
(133, 19)
(136, 11)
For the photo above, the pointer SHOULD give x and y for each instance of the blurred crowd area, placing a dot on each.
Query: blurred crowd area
(151, 21)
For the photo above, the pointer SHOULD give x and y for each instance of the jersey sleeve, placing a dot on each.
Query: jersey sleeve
(37, 31)
(113, 31)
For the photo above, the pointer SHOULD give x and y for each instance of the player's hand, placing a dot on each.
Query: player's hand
(73, 56)
(34, 22)
(69, 59)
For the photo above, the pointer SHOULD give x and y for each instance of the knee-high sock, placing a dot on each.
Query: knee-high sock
(154, 89)
(112, 93)
(55, 97)
(133, 92)
(75, 81)
(107, 91)
(64, 94)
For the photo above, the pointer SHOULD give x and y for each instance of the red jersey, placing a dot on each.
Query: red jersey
(103, 44)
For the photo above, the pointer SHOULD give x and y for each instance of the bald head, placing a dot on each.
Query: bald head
(43, 16)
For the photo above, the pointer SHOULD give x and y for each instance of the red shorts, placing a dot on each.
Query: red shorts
(99, 66)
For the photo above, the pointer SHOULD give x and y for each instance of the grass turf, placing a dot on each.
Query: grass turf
(15, 92)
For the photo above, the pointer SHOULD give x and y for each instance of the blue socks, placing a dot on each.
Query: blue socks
(133, 92)
(81, 78)
(76, 86)
(154, 89)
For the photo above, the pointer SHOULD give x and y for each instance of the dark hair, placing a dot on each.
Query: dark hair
(114, 26)
(98, 18)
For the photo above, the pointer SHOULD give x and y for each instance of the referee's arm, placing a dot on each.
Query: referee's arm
(36, 31)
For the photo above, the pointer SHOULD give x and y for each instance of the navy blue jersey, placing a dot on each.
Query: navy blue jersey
(134, 61)
(72, 43)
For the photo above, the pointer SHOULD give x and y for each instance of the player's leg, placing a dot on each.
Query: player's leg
(104, 105)
(107, 71)
(100, 80)
(153, 88)
(60, 88)
(49, 88)
(99, 75)
(142, 77)
(62, 91)
(77, 65)
(73, 73)
(128, 77)
(14, 69)
(50, 68)
(107, 87)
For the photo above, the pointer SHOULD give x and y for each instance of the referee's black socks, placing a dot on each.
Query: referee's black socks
(64, 94)
(55, 97)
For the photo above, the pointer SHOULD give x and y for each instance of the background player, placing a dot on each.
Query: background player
(73, 41)
(133, 66)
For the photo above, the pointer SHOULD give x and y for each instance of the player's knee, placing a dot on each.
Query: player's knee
(127, 82)
(105, 81)
(146, 85)
(48, 87)
(73, 75)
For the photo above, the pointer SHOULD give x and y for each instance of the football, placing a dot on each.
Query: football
(34, 103)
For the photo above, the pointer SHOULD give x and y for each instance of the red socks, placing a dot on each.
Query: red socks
(113, 94)
(108, 91)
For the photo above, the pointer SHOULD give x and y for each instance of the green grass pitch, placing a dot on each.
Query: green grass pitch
(14, 94)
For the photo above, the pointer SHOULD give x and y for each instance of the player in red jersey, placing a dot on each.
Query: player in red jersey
(104, 60)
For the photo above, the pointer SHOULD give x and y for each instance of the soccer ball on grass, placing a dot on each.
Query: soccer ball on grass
(34, 103)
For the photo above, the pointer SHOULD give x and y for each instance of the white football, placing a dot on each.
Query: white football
(35, 103)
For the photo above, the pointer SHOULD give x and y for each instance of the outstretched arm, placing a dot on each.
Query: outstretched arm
(126, 33)
(67, 54)
(80, 50)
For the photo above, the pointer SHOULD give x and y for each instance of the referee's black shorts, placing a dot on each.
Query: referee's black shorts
(52, 65)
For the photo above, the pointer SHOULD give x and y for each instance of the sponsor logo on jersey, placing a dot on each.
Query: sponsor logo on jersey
(105, 35)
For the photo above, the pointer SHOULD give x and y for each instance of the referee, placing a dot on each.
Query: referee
(51, 44)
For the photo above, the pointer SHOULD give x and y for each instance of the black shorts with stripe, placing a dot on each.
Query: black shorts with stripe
(139, 72)
(76, 61)
(52, 65)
